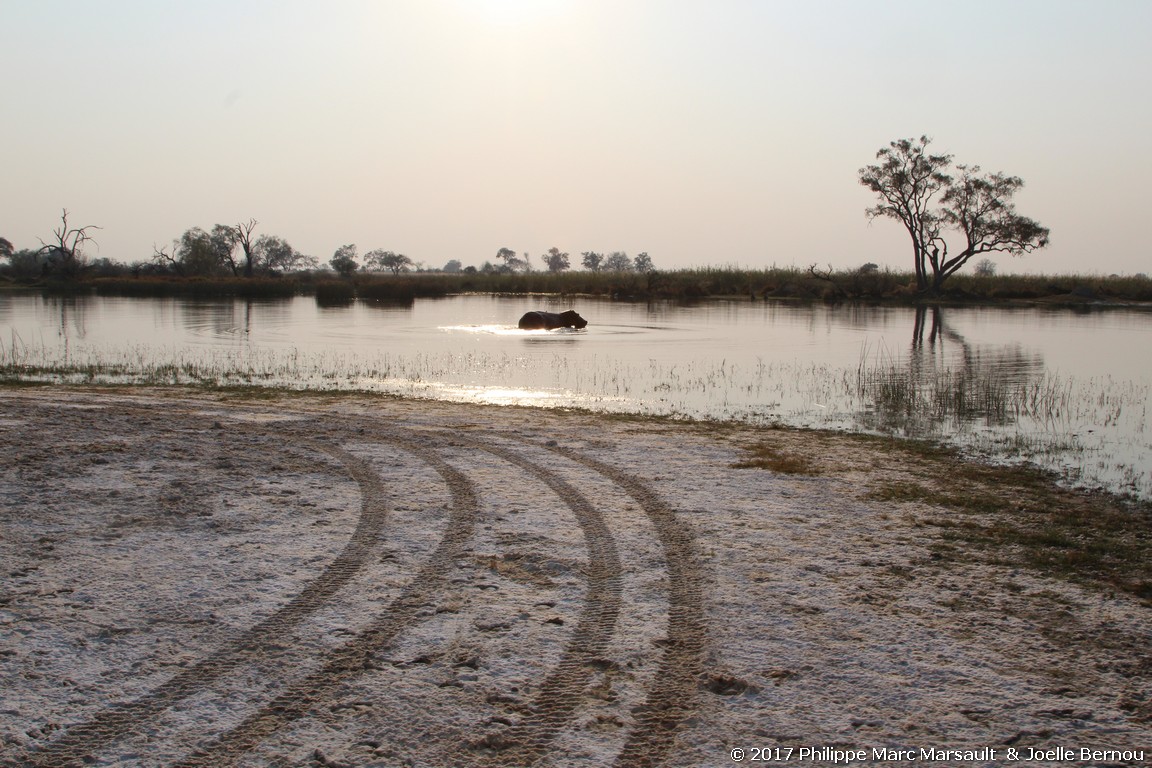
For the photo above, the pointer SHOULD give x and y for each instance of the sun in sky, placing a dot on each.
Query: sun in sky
(698, 132)
(512, 12)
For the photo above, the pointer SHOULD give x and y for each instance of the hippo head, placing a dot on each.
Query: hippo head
(573, 320)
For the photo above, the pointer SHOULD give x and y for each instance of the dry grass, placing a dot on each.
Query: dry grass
(1019, 516)
(774, 459)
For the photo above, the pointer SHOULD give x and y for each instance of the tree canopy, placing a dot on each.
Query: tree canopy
(915, 188)
(344, 260)
(556, 260)
(394, 262)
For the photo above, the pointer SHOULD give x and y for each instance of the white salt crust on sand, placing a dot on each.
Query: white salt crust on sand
(355, 581)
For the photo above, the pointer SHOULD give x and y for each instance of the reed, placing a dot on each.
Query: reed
(792, 283)
(901, 393)
(334, 293)
(1051, 419)
(255, 288)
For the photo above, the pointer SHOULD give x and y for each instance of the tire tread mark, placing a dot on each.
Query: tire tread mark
(526, 742)
(109, 725)
(674, 692)
(351, 659)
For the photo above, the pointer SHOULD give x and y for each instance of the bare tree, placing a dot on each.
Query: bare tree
(165, 260)
(247, 244)
(65, 255)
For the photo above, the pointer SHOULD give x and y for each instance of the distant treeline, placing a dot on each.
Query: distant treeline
(788, 283)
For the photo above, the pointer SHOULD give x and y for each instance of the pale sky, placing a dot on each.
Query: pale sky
(707, 133)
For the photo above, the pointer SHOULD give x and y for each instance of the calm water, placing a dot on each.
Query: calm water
(1078, 383)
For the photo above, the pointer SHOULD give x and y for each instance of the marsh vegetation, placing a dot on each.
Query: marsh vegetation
(867, 283)
(1051, 386)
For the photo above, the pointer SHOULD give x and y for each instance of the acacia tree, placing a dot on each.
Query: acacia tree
(915, 188)
(512, 262)
(381, 259)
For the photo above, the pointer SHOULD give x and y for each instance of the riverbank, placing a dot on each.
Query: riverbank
(867, 284)
(264, 578)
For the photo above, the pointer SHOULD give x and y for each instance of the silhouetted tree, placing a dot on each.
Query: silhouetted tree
(555, 260)
(164, 259)
(223, 242)
(981, 208)
(908, 180)
(197, 253)
(618, 261)
(274, 254)
(64, 256)
(644, 263)
(26, 264)
(381, 259)
(344, 261)
(592, 260)
(512, 262)
(453, 266)
(247, 244)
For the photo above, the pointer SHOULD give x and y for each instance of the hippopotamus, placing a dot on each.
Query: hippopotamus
(534, 321)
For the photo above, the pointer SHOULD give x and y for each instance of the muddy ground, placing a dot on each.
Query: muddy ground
(194, 579)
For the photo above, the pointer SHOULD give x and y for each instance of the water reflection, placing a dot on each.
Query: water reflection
(1008, 360)
(215, 320)
(71, 315)
(958, 373)
(947, 382)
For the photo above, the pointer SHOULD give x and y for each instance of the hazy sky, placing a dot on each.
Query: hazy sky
(713, 132)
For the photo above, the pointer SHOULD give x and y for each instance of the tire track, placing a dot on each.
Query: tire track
(351, 659)
(110, 725)
(562, 691)
(671, 698)
(674, 692)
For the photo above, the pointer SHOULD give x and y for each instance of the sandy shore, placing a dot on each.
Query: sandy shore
(352, 581)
